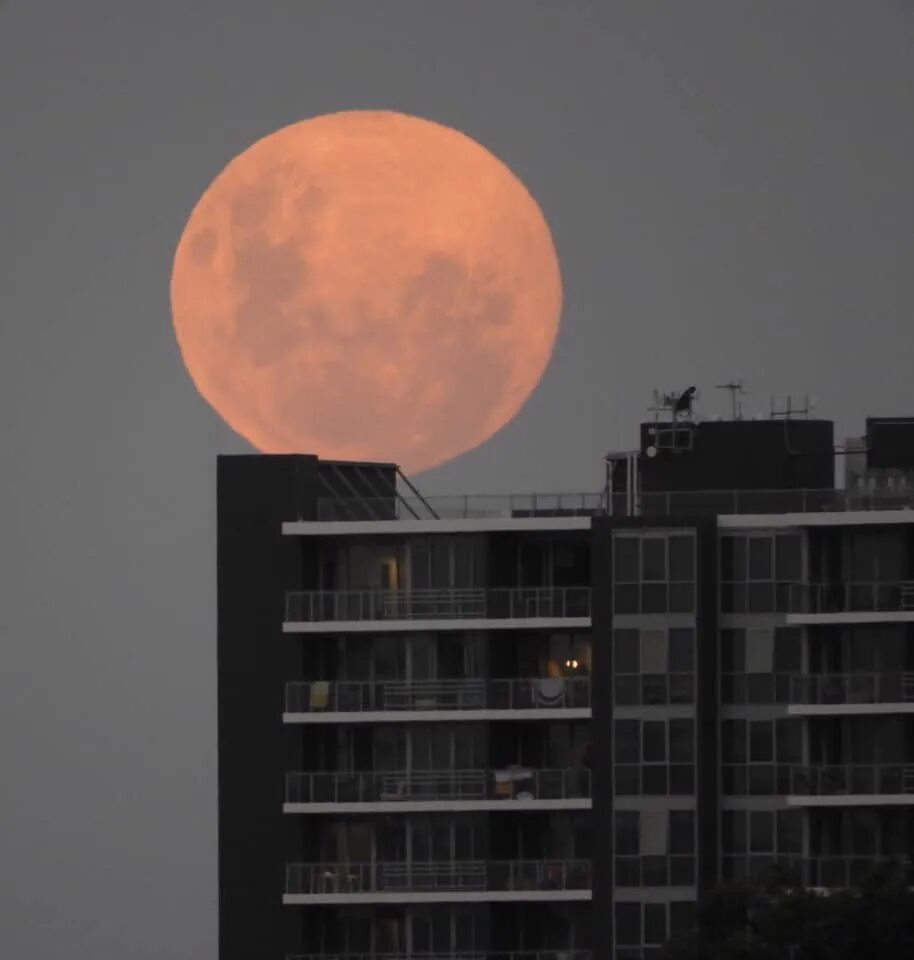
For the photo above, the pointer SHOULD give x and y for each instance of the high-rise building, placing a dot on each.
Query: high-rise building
(545, 725)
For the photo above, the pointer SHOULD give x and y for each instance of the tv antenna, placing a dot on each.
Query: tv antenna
(735, 387)
(791, 410)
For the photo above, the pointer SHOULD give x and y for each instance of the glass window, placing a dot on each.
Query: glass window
(654, 923)
(653, 598)
(788, 550)
(759, 650)
(682, 597)
(761, 831)
(626, 647)
(681, 651)
(628, 924)
(682, 558)
(733, 831)
(761, 747)
(626, 746)
(625, 559)
(625, 598)
(654, 651)
(653, 558)
(733, 558)
(654, 733)
(682, 831)
(733, 651)
(790, 831)
(682, 917)
(787, 643)
(682, 741)
(627, 842)
(761, 558)
(789, 741)
(734, 741)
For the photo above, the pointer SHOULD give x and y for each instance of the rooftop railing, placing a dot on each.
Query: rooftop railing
(646, 503)
(479, 955)
(510, 783)
(450, 876)
(818, 688)
(455, 603)
(852, 596)
(469, 694)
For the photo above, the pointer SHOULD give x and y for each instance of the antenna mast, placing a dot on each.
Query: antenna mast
(735, 387)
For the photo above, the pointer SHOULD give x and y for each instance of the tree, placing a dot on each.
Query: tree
(773, 920)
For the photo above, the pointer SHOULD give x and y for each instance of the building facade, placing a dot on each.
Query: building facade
(541, 727)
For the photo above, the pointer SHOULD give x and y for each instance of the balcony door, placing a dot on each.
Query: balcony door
(416, 931)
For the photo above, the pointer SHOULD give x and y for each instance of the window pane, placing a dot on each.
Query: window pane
(654, 651)
(733, 651)
(760, 598)
(787, 650)
(626, 651)
(682, 598)
(759, 650)
(627, 842)
(654, 732)
(761, 558)
(733, 833)
(761, 831)
(625, 559)
(625, 598)
(734, 741)
(682, 738)
(733, 558)
(682, 831)
(790, 831)
(681, 651)
(628, 924)
(653, 558)
(787, 561)
(653, 598)
(761, 748)
(626, 746)
(682, 557)
(682, 918)
(654, 922)
(789, 741)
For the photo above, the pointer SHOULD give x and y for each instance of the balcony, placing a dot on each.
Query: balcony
(822, 872)
(470, 699)
(462, 955)
(441, 881)
(509, 788)
(462, 507)
(822, 693)
(859, 783)
(849, 600)
(459, 605)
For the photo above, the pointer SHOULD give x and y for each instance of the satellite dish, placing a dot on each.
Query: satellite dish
(651, 451)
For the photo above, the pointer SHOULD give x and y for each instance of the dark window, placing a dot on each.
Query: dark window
(681, 651)
(734, 741)
(628, 924)
(761, 831)
(682, 597)
(625, 598)
(625, 560)
(787, 650)
(733, 558)
(761, 558)
(627, 651)
(627, 833)
(790, 831)
(654, 597)
(761, 748)
(682, 831)
(733, 651)
(789, 741)
(626, 742)
(788, 552)
(654, 733)
(733, 831)
(682, 918)
(682, 558)
(682, 737)
(653, 558)
(654, 922)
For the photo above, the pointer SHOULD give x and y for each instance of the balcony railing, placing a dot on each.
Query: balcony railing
(852, 778)
(463, 955)
(453, 875)
(446, 604)
(368, 787)
(833, 872)
(818, 688)
(471, 694)
(645, 503)
(859, 596)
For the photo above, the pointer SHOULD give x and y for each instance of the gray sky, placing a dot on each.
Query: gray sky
(729, 187)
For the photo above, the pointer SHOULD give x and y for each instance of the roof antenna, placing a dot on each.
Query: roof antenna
(736, 391)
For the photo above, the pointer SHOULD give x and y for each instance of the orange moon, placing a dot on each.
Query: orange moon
(366, 285)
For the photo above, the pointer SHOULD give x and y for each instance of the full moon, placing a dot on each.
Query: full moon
(366, 285)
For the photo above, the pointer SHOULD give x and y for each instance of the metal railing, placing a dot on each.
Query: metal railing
(831, 871)
(463, 506)
(434, 604)
(854, 596)
(470, 694)
(852, 778)
(677, 870)
(452, 875)
(462, 955)
(646, 503)
(818, 688)
(368, 787)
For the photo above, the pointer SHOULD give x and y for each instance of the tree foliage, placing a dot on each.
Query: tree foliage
(772, 920)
